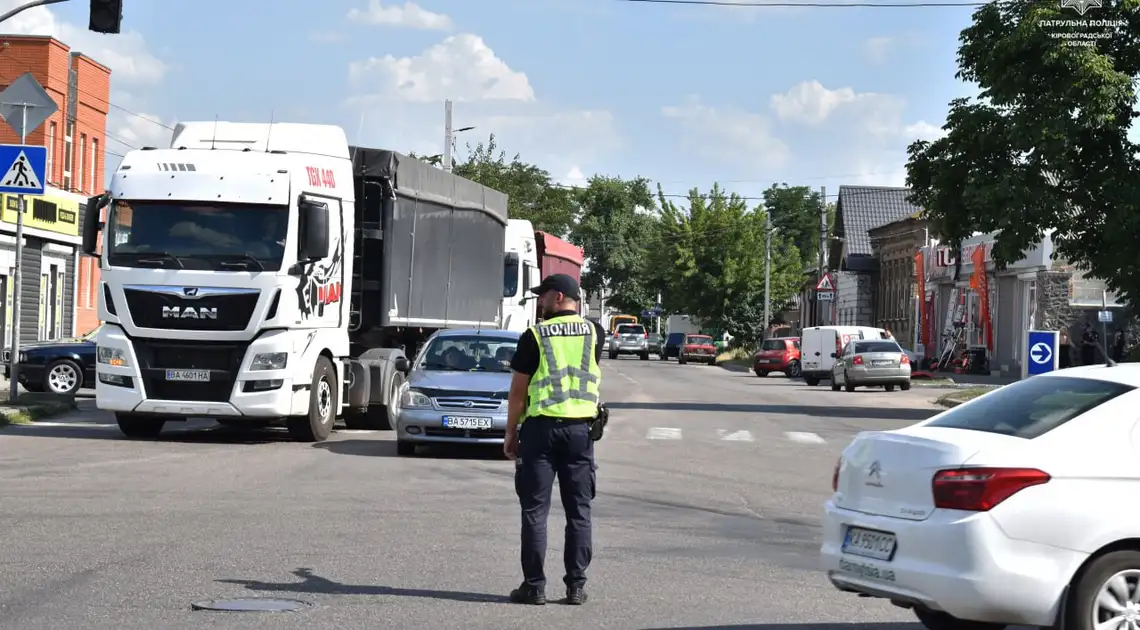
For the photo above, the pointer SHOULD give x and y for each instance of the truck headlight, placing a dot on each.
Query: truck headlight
(112, 356)
(413, 399)
(269, 361)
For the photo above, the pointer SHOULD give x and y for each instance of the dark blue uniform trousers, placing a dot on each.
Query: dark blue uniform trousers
(550, 448)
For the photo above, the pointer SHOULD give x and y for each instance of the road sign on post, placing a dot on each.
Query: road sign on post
(24, 169)
(1041, 352)
(825, 283)
(25, 106)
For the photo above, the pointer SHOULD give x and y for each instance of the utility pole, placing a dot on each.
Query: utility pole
(767, 271)
(658, 309)
(1104, 324)
(448, 136)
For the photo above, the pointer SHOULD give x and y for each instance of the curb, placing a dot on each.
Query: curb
(949, 403)
(28, 414)
(735, 365)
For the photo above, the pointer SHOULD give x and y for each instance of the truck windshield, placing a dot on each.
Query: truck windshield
(226, 237)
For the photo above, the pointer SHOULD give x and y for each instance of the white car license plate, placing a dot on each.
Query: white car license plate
(883, 362)
(765, 361)
(467, 422)
(870, 543)
(197, 376)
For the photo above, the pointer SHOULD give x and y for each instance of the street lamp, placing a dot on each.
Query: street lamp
(449, 135)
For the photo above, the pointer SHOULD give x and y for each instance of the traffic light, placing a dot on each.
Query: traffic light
(106, 16)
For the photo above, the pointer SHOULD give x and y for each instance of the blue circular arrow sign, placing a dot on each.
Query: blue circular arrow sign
(1041, 353)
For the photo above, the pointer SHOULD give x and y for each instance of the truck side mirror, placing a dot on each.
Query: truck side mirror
(91, 223)
(314, 233)
(403, 365)
(834, 355)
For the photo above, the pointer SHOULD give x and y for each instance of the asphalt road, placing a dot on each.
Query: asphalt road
(707, 516)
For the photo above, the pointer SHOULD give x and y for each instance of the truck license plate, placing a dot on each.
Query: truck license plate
(196, 376)
(466, 422)
(869, 543)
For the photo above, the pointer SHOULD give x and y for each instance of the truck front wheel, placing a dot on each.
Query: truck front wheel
(317, 425)
(138, 426)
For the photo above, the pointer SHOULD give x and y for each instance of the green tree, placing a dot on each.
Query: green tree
(533, 195)
(1046, 145)
(795, 211)
(712, 255)
(616, 228)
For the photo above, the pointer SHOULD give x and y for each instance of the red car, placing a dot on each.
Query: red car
(781, 354)
(698, 348)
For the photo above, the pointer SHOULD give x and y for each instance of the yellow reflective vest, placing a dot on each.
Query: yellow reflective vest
(567, 382)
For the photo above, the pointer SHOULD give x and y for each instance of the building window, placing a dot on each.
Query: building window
(95, 185)
(67, 156)
(51, 153)
(82, 179)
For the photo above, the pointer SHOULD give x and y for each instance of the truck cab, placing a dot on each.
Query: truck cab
(256, 273)
(520, 273)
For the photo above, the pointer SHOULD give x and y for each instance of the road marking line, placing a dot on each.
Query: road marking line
(67, 425)
(735, 436)
(663, 433)
(804, 438)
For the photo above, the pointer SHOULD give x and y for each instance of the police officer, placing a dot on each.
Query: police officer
(553, 399)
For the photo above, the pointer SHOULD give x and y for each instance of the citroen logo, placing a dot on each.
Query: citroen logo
(468, 404)
(875, 470)
(190, 291)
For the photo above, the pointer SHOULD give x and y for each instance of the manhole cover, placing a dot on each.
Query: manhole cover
(252, 604)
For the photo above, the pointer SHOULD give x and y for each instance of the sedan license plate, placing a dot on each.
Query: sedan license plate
(883, 362)
(196, 376)
(467, 422)
(870, 543)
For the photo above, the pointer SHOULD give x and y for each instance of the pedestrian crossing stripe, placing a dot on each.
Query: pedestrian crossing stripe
(21, 174)
(724, 435)
(735, 436)
(663, 433)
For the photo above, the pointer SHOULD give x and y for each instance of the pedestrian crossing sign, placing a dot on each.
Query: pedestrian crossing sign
(825, 283)
(24, 167)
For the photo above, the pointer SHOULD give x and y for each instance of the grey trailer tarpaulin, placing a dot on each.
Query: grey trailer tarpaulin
(443, 240)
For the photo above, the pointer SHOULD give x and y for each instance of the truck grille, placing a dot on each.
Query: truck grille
(223, 360)
(172, 308)
(459, 404)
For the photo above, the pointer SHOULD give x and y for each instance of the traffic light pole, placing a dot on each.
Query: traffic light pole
(31, 5)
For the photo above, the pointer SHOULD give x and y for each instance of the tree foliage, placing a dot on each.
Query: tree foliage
(1045, 145)
(712, 257)
(616, 228)
(795, 212)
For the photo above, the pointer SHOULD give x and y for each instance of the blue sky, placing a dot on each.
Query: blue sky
(682, 95)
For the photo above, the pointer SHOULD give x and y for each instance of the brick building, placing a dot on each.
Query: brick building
(894, 245)
(75, 137)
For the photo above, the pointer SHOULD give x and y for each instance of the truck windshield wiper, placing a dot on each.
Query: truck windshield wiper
(244, 259)
(159, 258)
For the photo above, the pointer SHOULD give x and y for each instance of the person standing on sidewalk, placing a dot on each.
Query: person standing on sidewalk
(552, 404)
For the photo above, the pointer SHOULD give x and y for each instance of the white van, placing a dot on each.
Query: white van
(819, 346)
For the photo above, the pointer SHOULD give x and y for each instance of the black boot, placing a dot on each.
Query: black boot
(528, 595)
(575, 596)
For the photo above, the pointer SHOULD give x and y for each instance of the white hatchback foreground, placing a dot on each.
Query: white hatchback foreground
(1018, 507)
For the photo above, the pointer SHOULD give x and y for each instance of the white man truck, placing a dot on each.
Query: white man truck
(265, 273)
(530, 256)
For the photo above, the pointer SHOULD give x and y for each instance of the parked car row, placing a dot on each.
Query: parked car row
(685, 347)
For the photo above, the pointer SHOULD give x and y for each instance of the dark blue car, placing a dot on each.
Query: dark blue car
(62, 366)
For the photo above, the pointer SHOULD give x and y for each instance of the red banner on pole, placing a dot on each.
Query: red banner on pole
(981, 281)
(920, 281)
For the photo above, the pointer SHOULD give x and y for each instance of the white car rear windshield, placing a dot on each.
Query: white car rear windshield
(1033, 407)
(631, 329)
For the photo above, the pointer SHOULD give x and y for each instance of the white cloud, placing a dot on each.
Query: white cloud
(727, 135)
(460, 68)
(409, 15)
(489, 95)
(811, 103)
(922, 130)
(575, 177)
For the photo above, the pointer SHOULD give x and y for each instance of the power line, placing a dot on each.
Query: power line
(830, 5)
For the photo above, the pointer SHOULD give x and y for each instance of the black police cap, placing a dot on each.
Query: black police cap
(561, 283)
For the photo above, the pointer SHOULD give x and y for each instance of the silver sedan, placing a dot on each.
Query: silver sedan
(864, 363)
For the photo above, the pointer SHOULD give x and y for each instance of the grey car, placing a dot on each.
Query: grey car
(871, 362)
(630, 339)
(456, 391)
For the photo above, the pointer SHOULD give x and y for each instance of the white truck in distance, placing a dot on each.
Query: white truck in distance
(256, 273)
